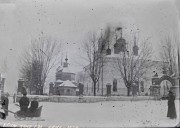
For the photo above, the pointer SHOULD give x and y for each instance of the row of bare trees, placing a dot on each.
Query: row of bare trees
(43, 54)
(37, 61)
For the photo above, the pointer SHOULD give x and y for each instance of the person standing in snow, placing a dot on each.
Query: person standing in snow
(171, 106)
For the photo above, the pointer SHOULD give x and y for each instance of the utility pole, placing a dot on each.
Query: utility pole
(102, 64)
(179, 66)
(102, 75)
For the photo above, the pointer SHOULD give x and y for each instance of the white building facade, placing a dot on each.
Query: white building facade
(111, 75)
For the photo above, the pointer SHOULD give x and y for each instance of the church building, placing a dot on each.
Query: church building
(65, 81)
(110, 74)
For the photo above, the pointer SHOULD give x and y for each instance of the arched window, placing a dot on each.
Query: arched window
(115, 85)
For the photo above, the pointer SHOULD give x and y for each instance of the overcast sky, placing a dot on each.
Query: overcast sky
(71, 20)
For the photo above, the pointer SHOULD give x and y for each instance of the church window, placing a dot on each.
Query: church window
(115, 85)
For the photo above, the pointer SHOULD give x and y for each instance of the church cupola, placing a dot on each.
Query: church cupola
(65, 63)
(101, 44)
(120, 45)
(108, 51)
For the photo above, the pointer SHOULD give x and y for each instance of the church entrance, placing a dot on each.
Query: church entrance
(161, 86)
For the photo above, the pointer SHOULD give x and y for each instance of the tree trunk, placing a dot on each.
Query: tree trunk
(128, 91)
(94, 88)
(37, 91)
(41, 91)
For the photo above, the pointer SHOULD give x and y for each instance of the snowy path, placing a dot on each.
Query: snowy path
(102, 114)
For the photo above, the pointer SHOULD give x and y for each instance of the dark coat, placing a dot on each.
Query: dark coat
(34, 106)
(24, 103)
(171, 106)
(4, 102)
(23, 91)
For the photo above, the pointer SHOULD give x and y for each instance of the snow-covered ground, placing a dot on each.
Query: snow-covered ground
(149, 113)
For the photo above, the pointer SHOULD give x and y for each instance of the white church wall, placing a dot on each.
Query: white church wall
(110, 72)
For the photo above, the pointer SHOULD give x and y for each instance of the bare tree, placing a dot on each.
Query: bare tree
(95, 49)
(38, 60)
(132, 67)
(168, 55)
(94, 58)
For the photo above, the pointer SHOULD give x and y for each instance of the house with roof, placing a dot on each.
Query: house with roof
(67, 88)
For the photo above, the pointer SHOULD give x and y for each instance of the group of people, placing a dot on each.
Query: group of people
(23, 104)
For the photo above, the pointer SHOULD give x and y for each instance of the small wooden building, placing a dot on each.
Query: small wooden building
(67, 88)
